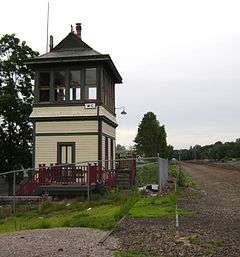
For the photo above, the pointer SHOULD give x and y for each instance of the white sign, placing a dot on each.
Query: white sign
(90, 106)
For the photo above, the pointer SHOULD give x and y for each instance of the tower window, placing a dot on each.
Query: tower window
(59, 86)
(90, 83)
(44, 86)
(75, 85)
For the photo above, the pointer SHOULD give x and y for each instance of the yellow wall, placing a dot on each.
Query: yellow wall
(46, 148)
(69, 111)
(67, 126)
(108, 130)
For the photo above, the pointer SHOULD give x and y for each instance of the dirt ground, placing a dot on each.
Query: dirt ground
(56, 242)
(213, 228)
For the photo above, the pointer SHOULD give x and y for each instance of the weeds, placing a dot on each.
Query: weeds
(126, 205)
(182, 179)
(147, 174)
(44, 224)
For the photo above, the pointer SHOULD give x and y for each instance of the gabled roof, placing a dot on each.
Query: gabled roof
(73, 49)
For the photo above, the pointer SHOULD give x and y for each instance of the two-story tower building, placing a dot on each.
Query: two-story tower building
(74, 110)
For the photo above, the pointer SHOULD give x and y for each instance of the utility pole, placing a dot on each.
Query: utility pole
(47, 26)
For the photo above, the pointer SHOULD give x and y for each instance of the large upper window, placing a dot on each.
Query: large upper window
(44, 86)
(59, 86)
(90, 83)
(75, 85)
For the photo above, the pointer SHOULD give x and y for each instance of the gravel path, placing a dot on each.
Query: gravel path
(59, 242)
(215, 225)
(212, 230)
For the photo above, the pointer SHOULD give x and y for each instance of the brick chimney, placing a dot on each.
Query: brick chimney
(78, 29)
(51, 43)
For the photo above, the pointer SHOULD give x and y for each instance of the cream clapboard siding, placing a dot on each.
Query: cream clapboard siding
(46, 148)
(67, 126)
(106, 113)
(109, 148)
(114, 153)
(60, 111)
(71, 111)
(114, 149)
(103, 147)
(109, 130)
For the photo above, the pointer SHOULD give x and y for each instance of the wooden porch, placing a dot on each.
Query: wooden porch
(74, 179)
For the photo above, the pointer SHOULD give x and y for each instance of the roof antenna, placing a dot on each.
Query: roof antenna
(72, 28)
(47, 26)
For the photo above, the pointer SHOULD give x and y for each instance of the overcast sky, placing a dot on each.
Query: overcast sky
(179, 59)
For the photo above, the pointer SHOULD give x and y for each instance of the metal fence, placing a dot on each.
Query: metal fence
(163, 173)
(29, 185)
(152, 171)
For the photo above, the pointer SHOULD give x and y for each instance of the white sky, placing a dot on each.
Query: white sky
(179, 59)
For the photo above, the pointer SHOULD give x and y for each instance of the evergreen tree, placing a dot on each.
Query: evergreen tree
(151, 137)
(16, 100)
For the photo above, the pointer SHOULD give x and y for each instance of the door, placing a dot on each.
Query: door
(66, 153)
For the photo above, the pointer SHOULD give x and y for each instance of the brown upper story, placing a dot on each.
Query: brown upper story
(73, 73)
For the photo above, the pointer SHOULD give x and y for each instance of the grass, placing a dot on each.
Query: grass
(102, 213)
(156, 206)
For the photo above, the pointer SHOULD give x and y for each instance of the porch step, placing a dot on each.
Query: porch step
(123, 181)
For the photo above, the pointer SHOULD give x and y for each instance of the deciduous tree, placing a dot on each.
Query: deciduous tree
(16, 100)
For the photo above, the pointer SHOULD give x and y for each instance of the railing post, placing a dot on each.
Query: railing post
(88, 182)
(14, 194)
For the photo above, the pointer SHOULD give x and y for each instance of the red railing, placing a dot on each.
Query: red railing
(91, 174)
(66, 175)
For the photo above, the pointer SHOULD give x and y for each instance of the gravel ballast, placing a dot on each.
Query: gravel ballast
(59, 242)
(212, 230)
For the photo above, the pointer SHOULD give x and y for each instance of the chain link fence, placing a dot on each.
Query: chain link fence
(152, 172)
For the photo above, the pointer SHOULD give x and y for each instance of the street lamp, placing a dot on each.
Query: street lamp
(123, 112)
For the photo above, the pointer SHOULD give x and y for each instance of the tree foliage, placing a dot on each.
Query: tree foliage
(217, 151)
(120, 149)
(16, 100)
(151, 137)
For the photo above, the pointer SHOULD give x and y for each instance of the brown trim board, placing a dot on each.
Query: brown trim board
(83, 118)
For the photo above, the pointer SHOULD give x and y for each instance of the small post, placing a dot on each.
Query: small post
(159, 173)
(14, 194)
(88, 182)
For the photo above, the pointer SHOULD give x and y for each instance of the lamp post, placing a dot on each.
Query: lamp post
(123, 112)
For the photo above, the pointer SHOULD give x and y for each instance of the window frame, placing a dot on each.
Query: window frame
(88, 86)
(65, 84)
(37, 86)
(106, 152)
(81, 69)
(84, 87)
(59, 152)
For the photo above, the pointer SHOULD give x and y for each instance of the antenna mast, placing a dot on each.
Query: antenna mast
(47, 26)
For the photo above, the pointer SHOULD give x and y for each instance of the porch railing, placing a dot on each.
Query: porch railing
(81, 174)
